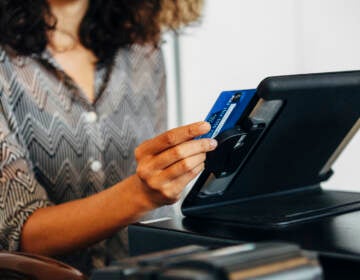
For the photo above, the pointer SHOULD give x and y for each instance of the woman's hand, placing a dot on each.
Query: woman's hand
(168, 162)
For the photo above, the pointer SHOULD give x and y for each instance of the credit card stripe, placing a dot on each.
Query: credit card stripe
(217, 117)
(223, 120)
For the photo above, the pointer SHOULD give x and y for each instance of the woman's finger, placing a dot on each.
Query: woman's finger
(182, 151)
(182, 167)
(156, 179)
(174, 188)
(171, 138)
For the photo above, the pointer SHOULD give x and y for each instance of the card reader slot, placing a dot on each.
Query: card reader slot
(233, 146)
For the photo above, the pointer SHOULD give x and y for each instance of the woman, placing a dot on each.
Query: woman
(81, 87)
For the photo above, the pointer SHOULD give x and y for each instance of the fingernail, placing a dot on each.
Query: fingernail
(213, 143)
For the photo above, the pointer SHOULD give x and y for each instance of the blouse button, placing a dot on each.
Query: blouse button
(96, 166)
(91, 117)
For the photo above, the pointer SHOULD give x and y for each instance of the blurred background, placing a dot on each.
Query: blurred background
(240, 42)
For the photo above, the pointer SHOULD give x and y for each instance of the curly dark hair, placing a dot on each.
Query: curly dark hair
(107, 25)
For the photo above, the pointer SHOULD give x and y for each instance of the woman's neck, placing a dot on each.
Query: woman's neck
(69, 14)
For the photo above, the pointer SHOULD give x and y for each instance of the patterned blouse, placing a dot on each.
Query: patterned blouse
(57, 146)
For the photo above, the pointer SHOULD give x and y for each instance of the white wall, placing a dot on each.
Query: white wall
(242, 41)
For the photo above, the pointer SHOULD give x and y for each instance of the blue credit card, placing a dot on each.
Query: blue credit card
(227, 110)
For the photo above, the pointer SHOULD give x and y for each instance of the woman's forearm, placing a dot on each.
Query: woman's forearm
(69, 226)
(166, 164)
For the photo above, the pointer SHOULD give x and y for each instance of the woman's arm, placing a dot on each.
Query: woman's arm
(60, 229)
(166, 164)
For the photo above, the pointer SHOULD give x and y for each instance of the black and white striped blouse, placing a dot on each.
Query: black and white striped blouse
(57, 146)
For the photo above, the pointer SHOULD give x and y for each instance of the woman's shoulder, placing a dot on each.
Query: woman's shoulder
(144, 49)
(7, 54)
(10, 56)
(141, 56)
(9, 60)
(6, 68)
(4, 55)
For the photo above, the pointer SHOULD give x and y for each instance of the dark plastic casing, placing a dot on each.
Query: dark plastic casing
(286, 164)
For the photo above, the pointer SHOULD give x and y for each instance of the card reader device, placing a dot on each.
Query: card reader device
(268, 168)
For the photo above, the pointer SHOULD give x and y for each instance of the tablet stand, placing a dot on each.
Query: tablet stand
(267, 171)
